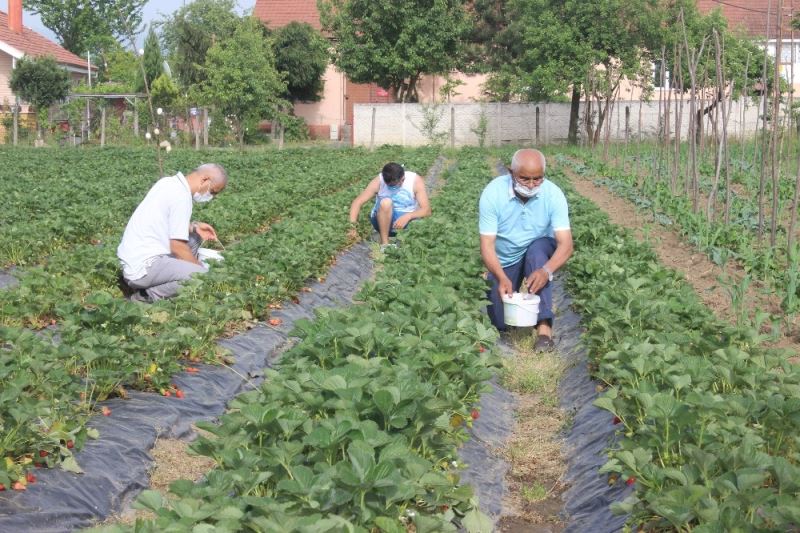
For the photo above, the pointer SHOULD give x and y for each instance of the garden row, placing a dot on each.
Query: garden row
(777, 266)
(358, 427)
(50, 380)
(85, 197)
(709, 418)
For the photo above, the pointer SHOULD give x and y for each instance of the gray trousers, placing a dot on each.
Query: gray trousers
(165, 274)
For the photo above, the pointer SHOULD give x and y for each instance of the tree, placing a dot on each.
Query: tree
(153, 61)
(393, 43)
(191, 31)
(121, 66)
(41, 82)
(301, 54)
(241, 80)
(88, 25)
(553, 48)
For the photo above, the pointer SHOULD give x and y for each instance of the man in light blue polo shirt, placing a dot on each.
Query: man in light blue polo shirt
(525, 234)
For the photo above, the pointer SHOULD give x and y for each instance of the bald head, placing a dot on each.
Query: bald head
(215, 171)
(528, 162)
(209, 177)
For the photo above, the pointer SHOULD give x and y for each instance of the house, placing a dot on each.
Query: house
(332, 117)
(759, 20)
(17, 41)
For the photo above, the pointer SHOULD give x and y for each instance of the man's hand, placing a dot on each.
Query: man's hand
(537, 280)
(505, 287)
(206, 231)
(402, 221)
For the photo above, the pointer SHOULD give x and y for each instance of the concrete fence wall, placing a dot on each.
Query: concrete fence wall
(517, 123)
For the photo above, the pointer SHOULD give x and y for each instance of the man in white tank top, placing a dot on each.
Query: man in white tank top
(400, 197)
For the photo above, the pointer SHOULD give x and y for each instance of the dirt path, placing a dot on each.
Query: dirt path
(694, 265)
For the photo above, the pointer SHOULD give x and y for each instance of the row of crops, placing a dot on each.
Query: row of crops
(709, 419)
(51, 378)
(738, 239)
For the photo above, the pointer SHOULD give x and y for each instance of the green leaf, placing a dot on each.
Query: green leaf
(362, 457)
(389, 525)
(477, 522)
(151, 500)
(71, 465)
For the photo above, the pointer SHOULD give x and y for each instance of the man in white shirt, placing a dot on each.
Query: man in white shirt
(160, 243)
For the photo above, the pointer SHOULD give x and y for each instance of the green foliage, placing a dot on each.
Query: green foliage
(301, 54)
(88, 25)
(164, 92)
(190, 32)
(394, 43)
(153, 61)
(119, 66)
(41, 82)
(242, 82)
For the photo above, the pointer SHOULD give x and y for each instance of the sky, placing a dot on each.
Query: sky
(153, 10)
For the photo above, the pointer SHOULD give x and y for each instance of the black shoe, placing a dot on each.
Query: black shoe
(140, 296)
(544, 343)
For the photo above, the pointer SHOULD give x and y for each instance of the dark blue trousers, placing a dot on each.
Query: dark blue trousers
(537, 254)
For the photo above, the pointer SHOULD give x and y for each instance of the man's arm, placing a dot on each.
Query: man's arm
(369, 192)
(424, 209)
(492, 262)
(539, 278)
(181, 250)
(206, 231)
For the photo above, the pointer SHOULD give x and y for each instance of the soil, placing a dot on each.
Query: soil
(694, 265)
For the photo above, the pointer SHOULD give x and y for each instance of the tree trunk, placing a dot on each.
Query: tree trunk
(776, 109)
(574, 112)
(763, 109)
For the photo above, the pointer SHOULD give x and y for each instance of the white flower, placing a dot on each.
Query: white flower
(159, 111)
(163, 144)
(168, 149)
(147, 136)
(455, 464)
(410, 513)
(141, 51)
(156, 131)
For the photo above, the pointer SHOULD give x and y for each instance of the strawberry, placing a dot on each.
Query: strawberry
(630, 481)
(70, 444)
(166, 393)
(106, 411)
(179, 393)
(616, 420)
(53, 322)
(30, 477)
(481, 349)
(2, 487)
(275, 321)
(43, 453)
(192, 370)
(475, 414)
(18, 486)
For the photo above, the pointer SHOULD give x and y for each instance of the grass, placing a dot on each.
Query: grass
(534, 492)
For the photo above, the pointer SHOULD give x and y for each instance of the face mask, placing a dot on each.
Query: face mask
(204, 197)
(526, 192)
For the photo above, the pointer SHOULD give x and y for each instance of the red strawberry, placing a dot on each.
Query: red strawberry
(106, 411)
(43, 453)
(30, 477)
(616, 420)
(275, 321)
(192, 370)
(179, 393)
(630, 481)
(18, 486)
(475, 414)
(481, 349)
(39, 465)
(2, 487)
(166, 393)
(70, 444)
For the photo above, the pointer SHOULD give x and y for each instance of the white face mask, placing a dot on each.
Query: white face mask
(526, 192)
(202, 198)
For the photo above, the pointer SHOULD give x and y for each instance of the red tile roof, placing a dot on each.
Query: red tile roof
(751, 15)
(34, 44)
(279, 13)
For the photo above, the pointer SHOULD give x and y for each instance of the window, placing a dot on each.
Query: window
(658, 83)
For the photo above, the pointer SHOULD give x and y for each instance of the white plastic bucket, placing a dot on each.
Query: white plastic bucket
(521, 310)
(206, 254)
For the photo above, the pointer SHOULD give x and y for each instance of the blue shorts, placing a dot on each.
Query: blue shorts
(373, 217)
